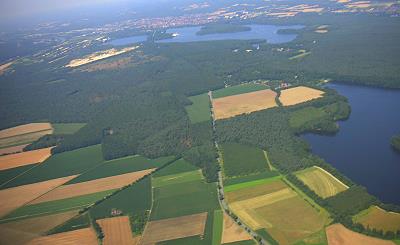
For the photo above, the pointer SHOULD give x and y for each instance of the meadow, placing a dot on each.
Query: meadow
(177, 178)
(199, 110)
(178, 166)
(249, 178)
(67, 128)
(217, 227)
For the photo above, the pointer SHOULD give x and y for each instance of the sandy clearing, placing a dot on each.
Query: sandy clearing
(92, 186)
(12, 149)
(232, 232)
(15, 197)
(20, 232)
(174, 228)
(99, 56)
(321, 31)
(24, 129)
(297, 95)
(234, 105)
(24, 158)
(337, 234)
(85, 236)
(117, 230)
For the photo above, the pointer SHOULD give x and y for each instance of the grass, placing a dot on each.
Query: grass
(199, 111)
(177, 178)
(308, 114)
(8, 174)
(121, 166)
(249, 178)
(217, 227)
(238, 89)
(179, 166)
(67, 128)
(57, 206)
(379, 219)
(77, 222)
(242, 160)
(61, 165)
(323, 184)
(249, 184)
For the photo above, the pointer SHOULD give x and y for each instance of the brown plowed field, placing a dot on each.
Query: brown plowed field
(297, 95)
(337, 234)
(24, 129)
(92, 186)
(15, 197)
(117, 230)
(20, 232)
(83, 236)
(232, 232)
(24, 158)
(12, 149)
(234, 105)
(174, 228)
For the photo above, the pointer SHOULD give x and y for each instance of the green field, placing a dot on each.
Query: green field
(199, 111)
(242, 160)
(248, 242)
(303, 116)
(57, 206)
(179, 166)
(66, 128)
(61, 165)
(253, 183)
(249, 178)
(217, 227)
(121, 166)
(177, 178)
(8, 174)
(238, 89)
(77, 222)
(135, 199)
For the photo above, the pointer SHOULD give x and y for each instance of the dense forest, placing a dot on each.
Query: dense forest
(395, 142)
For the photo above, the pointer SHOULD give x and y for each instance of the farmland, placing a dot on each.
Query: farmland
(379, 219)
(305, 115)
(12, 149)
(232, 232)
(66, 128)
(321, 182)
(8, 174)
(297, 95)
(117, 230)
(234, 105)
(82, 236)
(23, 134)
(24, 158)
(218, 220)
(177, 178)
(199, 111)
(237, 89)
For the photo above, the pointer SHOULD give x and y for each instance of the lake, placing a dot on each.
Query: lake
(361, 149)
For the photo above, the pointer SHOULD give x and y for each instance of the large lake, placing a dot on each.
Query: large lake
(361, 149)
(188, 34)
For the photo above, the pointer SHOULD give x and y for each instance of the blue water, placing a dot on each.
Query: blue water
(361, 150)
(128, 40)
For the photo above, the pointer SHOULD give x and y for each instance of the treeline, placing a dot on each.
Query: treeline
(395, 142)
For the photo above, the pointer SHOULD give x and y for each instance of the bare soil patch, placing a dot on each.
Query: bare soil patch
(232, 232)
(24, 129)
(16, 197)
(117, 230)
(174, 228)
(85, 236)
(12, 149)
(234, 105)
(24, 158)
(92, 186)
(297, 95)
(337, 234)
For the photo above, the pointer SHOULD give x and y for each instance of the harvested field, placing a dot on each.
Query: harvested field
(232, 232)
(24, 158)
(85, 236)
(24, 129)
(23, 138)
(337, 234)
(321, 182)
(15, 197)
(378, 218)
(297, 95)
(174, 228)
(12, 149)
(20, 232)
(234, 105)
(99, 56)
(92, 186)
(116, 230)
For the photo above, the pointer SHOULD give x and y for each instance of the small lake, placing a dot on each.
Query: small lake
(361, 149)
(128, 40)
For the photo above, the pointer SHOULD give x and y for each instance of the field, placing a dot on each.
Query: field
(13, 198)
(377, 218)
(8, 174)
(116, 230)
(252, 183)
(174, 228)
(217, 227)
(280, 210)
(24, 134)
(67, 128)
(177, 178)
(12, 149)
(321, 182)
(232, 232)
(300, 117)
(238, 89)
(234, 105)
(297, 95)
(85, 236)
(179, 166)
(199, 111)
(24, 158)
(250, 178)
(61, 165)
(337, 234)
(20, 232)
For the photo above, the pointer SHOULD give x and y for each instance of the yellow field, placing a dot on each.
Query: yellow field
(24, 158)
(337, 234)
(24, 134)
(234, 105)
(297, 95)
(117, 230)
(85, 236)
(281, 211)
(378, 218)
(321, 182)
(232, 232)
